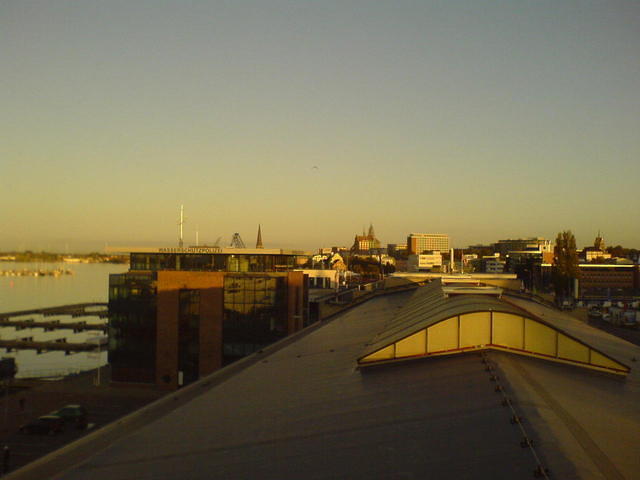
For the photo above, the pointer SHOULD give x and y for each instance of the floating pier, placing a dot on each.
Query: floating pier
(16, 320)
(51, 346)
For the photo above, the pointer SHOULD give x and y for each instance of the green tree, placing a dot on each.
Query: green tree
(565, 260)
(367, 267)
(618, 251)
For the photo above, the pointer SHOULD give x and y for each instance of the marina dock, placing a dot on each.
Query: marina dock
(51, 346)
(18, 321)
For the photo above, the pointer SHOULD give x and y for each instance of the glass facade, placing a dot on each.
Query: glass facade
(213, 262)
(255, 314)
(132, 327)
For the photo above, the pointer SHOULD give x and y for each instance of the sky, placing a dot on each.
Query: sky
(480, 119)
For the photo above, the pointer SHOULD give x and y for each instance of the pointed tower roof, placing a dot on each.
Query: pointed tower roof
(259, 239)
(372, 233)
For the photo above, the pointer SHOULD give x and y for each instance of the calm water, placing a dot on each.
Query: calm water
(89, 283)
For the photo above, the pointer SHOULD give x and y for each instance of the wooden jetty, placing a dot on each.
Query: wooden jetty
(16, 320)
(42, 347)
(74, 310)
(52, 325)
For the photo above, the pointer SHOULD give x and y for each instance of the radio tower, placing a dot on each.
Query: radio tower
(181, 224)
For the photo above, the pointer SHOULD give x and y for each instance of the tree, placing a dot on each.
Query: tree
(565, 259)
(367, 267)
(618, 251)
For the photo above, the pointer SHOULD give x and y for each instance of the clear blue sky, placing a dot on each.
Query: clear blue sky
(480, 119)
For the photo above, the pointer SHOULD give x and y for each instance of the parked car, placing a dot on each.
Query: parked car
(49, 424)
(73, 415)
(595, 313)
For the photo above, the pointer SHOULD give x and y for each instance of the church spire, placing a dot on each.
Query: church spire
(259, 239)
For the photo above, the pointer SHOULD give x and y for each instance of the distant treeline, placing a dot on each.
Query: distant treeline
(30, 256)
(619, 251)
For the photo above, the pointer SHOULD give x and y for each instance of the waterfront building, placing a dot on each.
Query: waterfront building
(214, 259)
(418, 243)
(182, 313)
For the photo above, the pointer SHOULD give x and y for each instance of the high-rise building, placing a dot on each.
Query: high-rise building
(418, 243)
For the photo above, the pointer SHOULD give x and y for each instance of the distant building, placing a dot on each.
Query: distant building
(330, 261)
(397, 250)
(327, 279)
(602, 281)
(425, 262)
(493, 265)
(589, 255)
(418, 243)
(330, 250)
(532, 244)
(366, 243)
(596, 252)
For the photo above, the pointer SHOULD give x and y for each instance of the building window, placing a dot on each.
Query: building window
(255, 313)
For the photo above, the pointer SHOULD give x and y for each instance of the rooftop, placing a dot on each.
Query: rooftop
(303, 409)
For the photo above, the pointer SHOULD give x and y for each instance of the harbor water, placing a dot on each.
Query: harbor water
(85, 282)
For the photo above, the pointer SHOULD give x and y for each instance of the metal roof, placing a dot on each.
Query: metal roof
(428, 306)
(303, 411)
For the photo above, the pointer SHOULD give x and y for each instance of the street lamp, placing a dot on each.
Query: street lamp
(98, 341)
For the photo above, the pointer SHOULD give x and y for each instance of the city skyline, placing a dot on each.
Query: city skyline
(193, 239)
(480, 120)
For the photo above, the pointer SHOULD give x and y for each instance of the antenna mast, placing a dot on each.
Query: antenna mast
(181, 223)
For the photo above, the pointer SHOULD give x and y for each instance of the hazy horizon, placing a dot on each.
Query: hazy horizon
(484, 120)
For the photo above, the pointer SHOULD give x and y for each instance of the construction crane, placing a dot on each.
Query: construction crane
(236, 241)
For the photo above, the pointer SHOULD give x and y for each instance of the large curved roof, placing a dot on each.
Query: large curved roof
(432, 323)
(428, 306)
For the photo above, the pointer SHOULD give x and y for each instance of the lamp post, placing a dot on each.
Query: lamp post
(99, 341)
